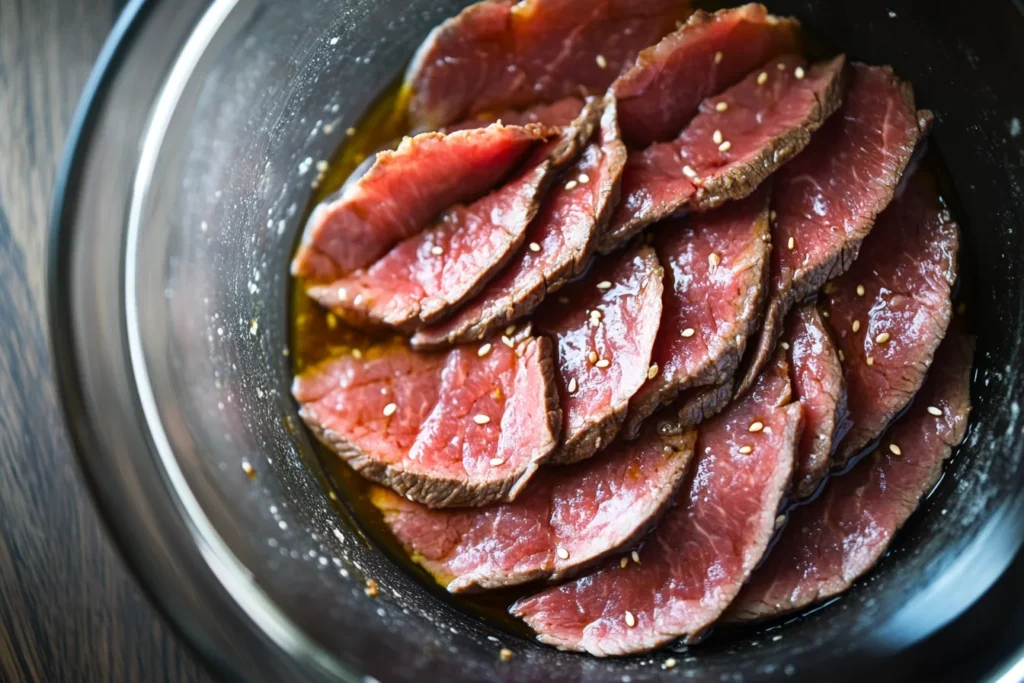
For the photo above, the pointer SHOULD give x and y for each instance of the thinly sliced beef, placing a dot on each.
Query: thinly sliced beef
(715, 268)
(827, 199)
(565, 520)
(428, 275)
(560, 113)
(499, 55)
(694, 406)
(559, 242)
(443, 429)
(710, 52)
(842, 534)
(701, 552)
(768, 118)
(817, 378)
(891, 309)
(403, 192)
(604, 326)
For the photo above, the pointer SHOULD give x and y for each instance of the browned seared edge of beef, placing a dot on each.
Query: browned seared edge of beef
(428, 275)
(842, 534)
(694, 406)
(566, 519)
(557, 246)
(817, 378)
(739, 138)
(498, 55)
(603, 326)
(825, 202)
(891, 309)
(463, 428)
(402, 193)
(716, 264)
(703, 550)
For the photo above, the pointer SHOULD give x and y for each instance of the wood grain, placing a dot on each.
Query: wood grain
(68, 609)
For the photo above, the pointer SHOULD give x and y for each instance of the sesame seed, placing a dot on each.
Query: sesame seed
(717, 137)
(714, 259)
(572, 385)
(791, 243)
(623, 562)
(860, 290)
(934, 411)
(855, 326)
(584, 179)
(483, 350)
(630, 619)
(592, 356)
(248, 469)
(725, 146)
(746, 450)
(357, 354)
(510, 330)
(882, 338)
(497, 462)
(722, 106)
(372, 589)
(895, 450)
(390, 409)
(507, 341)
(481, 419)
(772, 215)
(869, 360)
(603, 363)
(636, 556)
(689, 172)
(718, 57)
(652, 371)
(350, 132)
(328, 128)
(781, 66)
(436, 251)
(604, 285)
(601, 61)
(321, 165)
(563, 553)
(571, 185)
(799, 73)
(505, 654)
(755, 426)
(762, 78)
(842, 356)
(689, 332)
(784, 345)
(670, 663)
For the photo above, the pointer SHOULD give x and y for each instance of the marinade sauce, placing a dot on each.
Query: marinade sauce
(317, 335)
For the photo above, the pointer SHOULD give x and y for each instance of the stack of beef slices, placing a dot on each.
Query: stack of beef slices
(680, 278)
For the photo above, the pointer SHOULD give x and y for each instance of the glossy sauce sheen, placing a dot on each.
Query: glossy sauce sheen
(317, 335)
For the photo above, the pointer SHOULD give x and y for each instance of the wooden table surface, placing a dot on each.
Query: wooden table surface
(69, 611)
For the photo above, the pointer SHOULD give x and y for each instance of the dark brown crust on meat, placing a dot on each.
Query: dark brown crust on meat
(704, 403)
(440, 492)
(528, 301)
(738, 183)
(812, 281)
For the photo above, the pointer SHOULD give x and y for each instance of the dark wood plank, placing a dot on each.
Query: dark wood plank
(68, 609)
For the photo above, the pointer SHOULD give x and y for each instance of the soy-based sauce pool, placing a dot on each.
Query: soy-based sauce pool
(316, 335)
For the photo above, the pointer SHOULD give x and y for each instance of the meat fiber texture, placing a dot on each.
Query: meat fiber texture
(891, 309)
(843, 533)
(603, 327)
(498, 55)
(557, 246)
(428, 275)
(710, 52)
(715, 269)
(702, 551)
(568, 518)
(739, 138)
(403, 192)
(826, 201)
(463, 428)
(817, 377)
